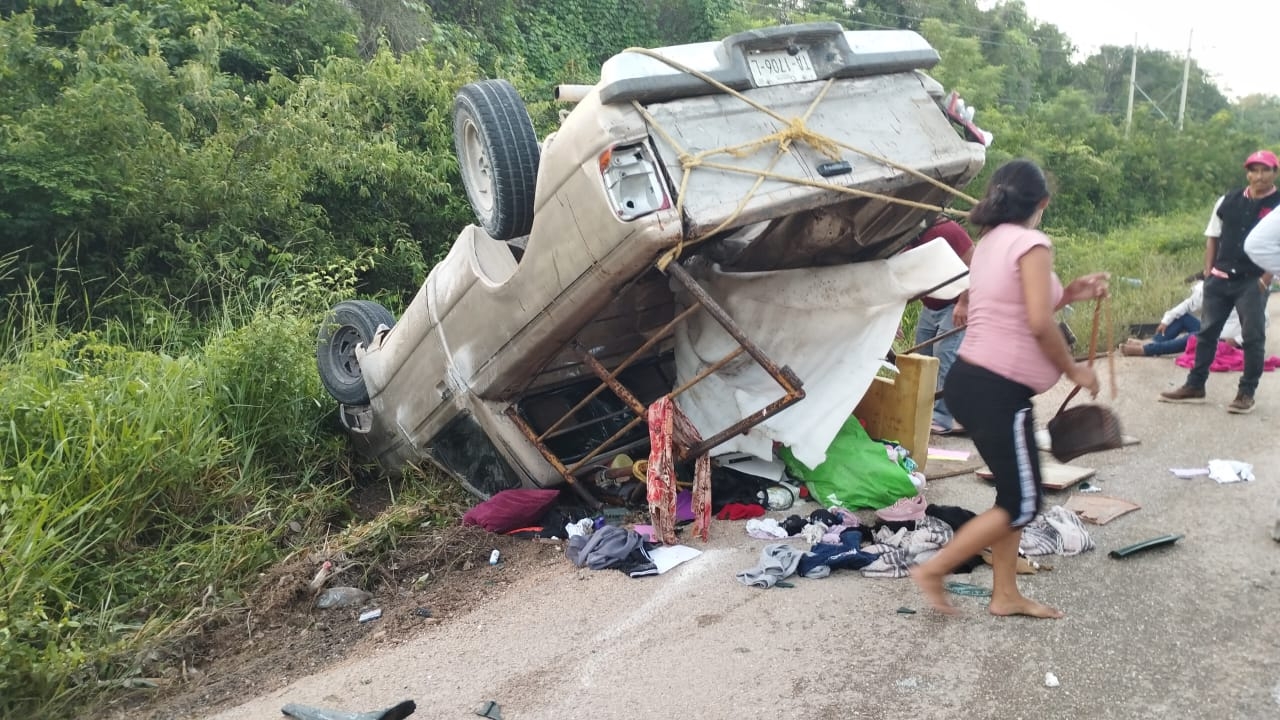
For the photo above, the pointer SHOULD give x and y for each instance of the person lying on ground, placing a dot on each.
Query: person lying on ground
(1180, 323)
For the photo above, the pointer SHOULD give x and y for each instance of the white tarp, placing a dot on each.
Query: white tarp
(830, 325)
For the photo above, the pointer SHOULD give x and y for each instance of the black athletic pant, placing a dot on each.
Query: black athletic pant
(996, 412)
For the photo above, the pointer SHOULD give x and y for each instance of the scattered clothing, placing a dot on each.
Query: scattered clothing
(794, 524)
(846, 517)
(765, 529)
(582, 528)
(740, 511)
(813, 532)
(611, 547)
(1230, 471)
(844, 555)
(667, 425)
(833, 534)
(898, 551)
(777, 562)
(1055, 531)
(826, 517)
(1228, 358)
(952, 515)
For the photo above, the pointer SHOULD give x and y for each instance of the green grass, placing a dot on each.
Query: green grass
(1148, 261)
(146, 480)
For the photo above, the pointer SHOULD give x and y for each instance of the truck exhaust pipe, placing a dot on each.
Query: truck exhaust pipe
(571, 93)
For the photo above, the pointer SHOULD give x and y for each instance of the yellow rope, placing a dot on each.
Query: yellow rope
(794, 130)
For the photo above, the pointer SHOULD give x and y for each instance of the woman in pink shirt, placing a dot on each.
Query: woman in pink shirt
(1012, 351)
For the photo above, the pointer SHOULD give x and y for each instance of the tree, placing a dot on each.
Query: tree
(1259, 115)
(1106, 74)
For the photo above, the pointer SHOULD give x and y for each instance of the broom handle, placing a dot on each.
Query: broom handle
(934, 339)
(1111, 356)
(1093, 351)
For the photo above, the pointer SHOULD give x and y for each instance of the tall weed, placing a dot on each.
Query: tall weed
(136, 483)
(1148, 261)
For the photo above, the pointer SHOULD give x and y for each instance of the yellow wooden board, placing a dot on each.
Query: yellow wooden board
(901, 409)
(1053, 475)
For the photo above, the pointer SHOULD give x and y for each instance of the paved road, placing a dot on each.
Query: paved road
(1189, 631)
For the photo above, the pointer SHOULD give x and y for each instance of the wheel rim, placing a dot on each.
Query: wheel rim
(477, 166)
(342, 349)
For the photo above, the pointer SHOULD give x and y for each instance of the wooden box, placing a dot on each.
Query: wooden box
(901, 408)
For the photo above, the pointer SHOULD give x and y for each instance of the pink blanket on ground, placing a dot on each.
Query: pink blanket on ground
(1227, 359)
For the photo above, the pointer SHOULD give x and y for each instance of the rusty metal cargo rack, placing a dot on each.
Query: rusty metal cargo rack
(790, 385)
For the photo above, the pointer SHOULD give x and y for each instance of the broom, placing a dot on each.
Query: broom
(1088, 428)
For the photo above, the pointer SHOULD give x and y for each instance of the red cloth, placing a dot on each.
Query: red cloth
(1227, 359)
(740, 511)
(668, 425)
(511, 509)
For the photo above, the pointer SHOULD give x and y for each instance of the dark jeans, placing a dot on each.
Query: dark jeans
(1174, 338)
(1250, 301)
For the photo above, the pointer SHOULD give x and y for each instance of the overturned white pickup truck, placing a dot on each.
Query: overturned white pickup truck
(531, 351)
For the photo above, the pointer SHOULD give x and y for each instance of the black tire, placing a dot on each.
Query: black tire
(497, 156)
(348, 324)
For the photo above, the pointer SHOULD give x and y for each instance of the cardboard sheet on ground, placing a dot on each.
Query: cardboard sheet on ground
(1054, 476)
(944, 454)
(1099, 509)
(830, 325)
(666, 557)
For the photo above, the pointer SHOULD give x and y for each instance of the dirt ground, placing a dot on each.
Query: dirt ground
(1183, 631)
(431, 579)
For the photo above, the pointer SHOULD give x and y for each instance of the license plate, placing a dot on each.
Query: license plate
(777, 67)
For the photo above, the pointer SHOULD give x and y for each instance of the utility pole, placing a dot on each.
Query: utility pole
(1186, 74)
(1133, 81)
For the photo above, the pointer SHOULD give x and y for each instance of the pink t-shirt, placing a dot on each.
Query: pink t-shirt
(999, 337)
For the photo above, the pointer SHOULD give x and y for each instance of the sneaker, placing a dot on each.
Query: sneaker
(1184, 394)
(908, 508)
(1242, 405)
(1132, 349)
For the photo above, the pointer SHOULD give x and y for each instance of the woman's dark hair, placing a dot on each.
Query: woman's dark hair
(1016, 188)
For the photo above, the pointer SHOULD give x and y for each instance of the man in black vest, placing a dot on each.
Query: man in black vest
(1232, 280)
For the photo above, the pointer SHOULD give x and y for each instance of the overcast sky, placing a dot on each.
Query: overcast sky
(1237, 41)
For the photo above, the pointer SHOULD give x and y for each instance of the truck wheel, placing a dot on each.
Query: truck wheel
(349, 323)
(497, 156)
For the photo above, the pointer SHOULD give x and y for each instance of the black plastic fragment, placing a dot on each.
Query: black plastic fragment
(1128, 550)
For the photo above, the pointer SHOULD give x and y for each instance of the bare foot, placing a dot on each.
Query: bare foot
(931, 586)
(1023, 606)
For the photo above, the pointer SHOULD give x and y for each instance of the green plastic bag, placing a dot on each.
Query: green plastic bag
(858, 472)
